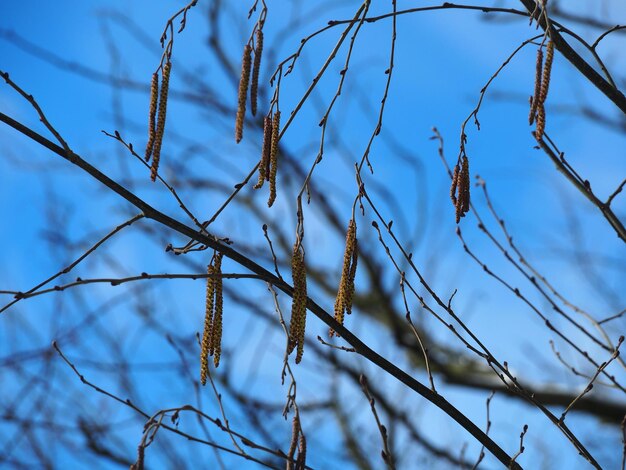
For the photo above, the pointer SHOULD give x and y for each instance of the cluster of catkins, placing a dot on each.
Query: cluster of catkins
(267, 169)
(156, 124)
(459, 191)
(212, 337)
(542, 82)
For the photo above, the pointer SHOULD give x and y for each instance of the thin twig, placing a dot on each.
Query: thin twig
(386, 453)
(35, 290)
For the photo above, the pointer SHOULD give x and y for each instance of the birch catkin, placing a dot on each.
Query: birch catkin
(139, 464)
(295, 432)
(534, 101)
(216, 328)
(208, 322)
(464, 187)
(211, 344)
(256, 68)
(154, 95)
(352, 274)
(301, 462)
(541, 122)
(274, 158)
(298, 308)
(160, 125)
(244, 81)
(543, 92)
(265, 153)
(455, 184)
(345, 293)
(547, 71)
(460, 189)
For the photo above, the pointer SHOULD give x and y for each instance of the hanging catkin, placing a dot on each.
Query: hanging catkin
(208, 321)
(216, 328)
(274, 158)
(295, 433)
(455, 184)
(154, 96)
(265, 152)
(298, 308)
(244, 80)
(211, 344)
(160, 125)
(256, 68)
(534, 101)
(301, 461)
(460, 189)
(547, 71)
(543, 92)
(541, 122)
(345, 293)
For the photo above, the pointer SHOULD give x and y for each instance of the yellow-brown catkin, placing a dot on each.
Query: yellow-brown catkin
(154, 95)
(256, 68)
(547, 70)
(244, 80)
(296, 263)
(274, 158)
(541, 122)
(465, 184)
(301, 462)
(139, 464)
(208, 322)
(463, 191)
(534, 101)
(265, 153)
(160, 125)
(216, 330)
(298, 308)
(455, 183)
(295, 432)
(345, 293)
(351, 276)
(543, 92)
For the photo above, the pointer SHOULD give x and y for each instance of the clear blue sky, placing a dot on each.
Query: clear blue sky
(443, 59)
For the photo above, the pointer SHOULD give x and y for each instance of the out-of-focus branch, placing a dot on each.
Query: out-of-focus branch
(585, 189)
(151, 213)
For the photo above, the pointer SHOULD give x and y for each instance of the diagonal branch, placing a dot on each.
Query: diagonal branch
(612, 93)
(585, 189)
(152, 213)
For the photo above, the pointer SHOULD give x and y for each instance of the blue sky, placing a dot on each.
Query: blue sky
(443, 59)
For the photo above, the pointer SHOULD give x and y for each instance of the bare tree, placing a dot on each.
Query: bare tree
(273, 270)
